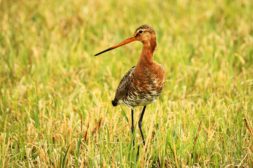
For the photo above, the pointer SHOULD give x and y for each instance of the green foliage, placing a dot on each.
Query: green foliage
(55, 96)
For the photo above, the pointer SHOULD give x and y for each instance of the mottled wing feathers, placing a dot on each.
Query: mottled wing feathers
(123, 86)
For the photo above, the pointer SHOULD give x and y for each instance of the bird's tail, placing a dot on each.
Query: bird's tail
(115, 102)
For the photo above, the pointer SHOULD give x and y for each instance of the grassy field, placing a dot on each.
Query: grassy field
(55, 96)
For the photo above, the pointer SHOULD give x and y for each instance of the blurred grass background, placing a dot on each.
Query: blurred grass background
(55, 97)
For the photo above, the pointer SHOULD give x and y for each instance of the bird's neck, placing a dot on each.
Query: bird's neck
(147, 51)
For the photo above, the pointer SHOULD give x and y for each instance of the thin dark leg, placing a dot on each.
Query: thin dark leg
(140, 124)
(132, 116)
(132, 126)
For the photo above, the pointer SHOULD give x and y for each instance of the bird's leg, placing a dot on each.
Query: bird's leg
(132, 126)
(140, 124)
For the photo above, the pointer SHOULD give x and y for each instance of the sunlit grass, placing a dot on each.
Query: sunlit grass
(55, 96)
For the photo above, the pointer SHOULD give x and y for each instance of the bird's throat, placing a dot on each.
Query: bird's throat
(147, 52)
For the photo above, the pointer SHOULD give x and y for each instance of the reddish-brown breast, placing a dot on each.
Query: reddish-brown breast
(149, 76)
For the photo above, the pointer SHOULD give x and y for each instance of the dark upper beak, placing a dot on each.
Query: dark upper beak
(124, 42)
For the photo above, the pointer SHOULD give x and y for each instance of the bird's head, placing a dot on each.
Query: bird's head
(144, 34)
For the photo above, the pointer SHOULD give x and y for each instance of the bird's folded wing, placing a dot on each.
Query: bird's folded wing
(124, 84)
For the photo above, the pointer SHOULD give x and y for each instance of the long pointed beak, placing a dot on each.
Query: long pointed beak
(124, 42)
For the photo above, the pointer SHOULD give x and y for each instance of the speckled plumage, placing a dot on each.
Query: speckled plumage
(135, 90)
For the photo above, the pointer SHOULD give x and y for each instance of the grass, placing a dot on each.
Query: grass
(55, 96)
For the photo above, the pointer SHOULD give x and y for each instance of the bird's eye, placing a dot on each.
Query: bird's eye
(140, 31)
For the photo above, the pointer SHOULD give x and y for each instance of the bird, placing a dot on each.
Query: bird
(143, 83)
